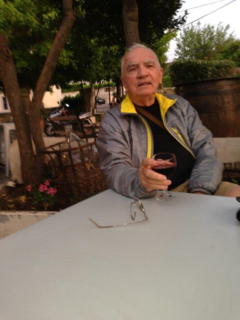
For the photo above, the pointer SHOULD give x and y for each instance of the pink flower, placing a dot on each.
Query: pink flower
(51, 191)
(47, 183)
(41, 188)
(29, 188)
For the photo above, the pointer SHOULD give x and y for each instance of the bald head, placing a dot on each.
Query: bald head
(138, 46)
(141, 74)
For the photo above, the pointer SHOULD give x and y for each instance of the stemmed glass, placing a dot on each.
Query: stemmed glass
(166, 165)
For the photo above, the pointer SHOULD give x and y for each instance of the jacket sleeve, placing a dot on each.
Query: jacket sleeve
(114, 148)
(207, 172)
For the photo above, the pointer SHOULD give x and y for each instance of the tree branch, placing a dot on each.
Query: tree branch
(57, 47)
(47, 72)
(130, 22)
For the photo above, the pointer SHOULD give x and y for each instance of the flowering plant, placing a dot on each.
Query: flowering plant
(44, 194)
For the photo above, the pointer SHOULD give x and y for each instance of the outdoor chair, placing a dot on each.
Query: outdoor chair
(81, 128)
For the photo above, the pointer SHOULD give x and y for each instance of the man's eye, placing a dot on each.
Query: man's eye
(132, 69)
(150, 65)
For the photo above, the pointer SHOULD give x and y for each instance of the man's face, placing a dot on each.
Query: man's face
(141, 76)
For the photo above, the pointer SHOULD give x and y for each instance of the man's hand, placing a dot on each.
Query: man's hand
(151, 180)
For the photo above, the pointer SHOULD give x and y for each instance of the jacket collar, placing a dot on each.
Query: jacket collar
(127, 107)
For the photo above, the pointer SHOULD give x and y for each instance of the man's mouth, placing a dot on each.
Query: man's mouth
(144, 84)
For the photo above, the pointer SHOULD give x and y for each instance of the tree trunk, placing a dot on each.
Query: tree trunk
(91, 98)
(27, 123)
(44, 79)
(25, 93)
(13, 93)
(130, 22)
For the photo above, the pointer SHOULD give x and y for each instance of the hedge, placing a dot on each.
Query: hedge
(78, 86)
(193, 70)
(167, 81)
(76, 104)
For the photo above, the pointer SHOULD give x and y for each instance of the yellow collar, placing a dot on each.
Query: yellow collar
(165, 103)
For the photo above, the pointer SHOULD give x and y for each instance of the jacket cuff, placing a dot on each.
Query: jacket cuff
(142, 192)
(199, 188)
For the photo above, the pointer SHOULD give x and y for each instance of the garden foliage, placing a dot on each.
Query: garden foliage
(75, 103)
(192, 70)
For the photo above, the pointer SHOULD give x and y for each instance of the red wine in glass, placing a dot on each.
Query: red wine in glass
(166, 166)
(166, 169)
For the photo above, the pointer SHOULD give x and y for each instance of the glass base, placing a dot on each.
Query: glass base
(165, 196)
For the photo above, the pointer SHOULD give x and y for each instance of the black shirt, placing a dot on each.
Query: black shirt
(165, 142)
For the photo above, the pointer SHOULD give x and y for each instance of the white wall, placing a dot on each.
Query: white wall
(52, 99)
(2, 110)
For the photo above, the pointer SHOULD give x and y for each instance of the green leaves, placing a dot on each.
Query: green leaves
(203, 43)
(96, 43)
(31, 27)
(161, 46)
(184, 71)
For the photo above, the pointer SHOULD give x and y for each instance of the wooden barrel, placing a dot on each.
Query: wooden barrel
(217, 102)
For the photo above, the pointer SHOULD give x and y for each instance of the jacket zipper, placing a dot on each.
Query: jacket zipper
(149, 137)
(183, 143)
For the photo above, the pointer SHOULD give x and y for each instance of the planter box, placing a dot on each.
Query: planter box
(11, 222)
(217, 102)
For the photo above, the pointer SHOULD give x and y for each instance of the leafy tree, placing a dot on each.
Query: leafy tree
(21, 21)
(97, 52)
(203, 43)
(30, 28)
(232, 52)
(162, 46)
(32, 39)
(192, 70)
(143, 20)
(91, 61)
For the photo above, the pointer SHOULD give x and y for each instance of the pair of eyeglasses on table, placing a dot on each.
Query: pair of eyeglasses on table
(136, 210)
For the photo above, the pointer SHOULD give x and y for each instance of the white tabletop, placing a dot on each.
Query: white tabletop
(183, 264)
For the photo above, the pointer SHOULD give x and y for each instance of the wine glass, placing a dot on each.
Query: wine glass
(166, 165)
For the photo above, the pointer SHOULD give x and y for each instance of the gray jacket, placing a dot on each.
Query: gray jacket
(125, 138)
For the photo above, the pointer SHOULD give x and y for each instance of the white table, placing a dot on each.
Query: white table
(183, 264)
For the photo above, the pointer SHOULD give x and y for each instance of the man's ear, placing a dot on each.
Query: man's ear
(161, 75)
(123, 83)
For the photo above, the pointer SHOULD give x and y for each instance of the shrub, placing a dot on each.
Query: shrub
(222, 69)
(193, 70)
(104, 84)
(76, 104)
(72, 87)
(167, 81)
(44, 194)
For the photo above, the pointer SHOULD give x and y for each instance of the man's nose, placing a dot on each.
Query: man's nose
(142, 71)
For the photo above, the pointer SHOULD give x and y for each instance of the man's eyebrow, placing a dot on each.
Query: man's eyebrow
(131, 64)
(149, 61)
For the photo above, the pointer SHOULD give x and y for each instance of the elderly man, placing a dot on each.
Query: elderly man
(129, 137)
